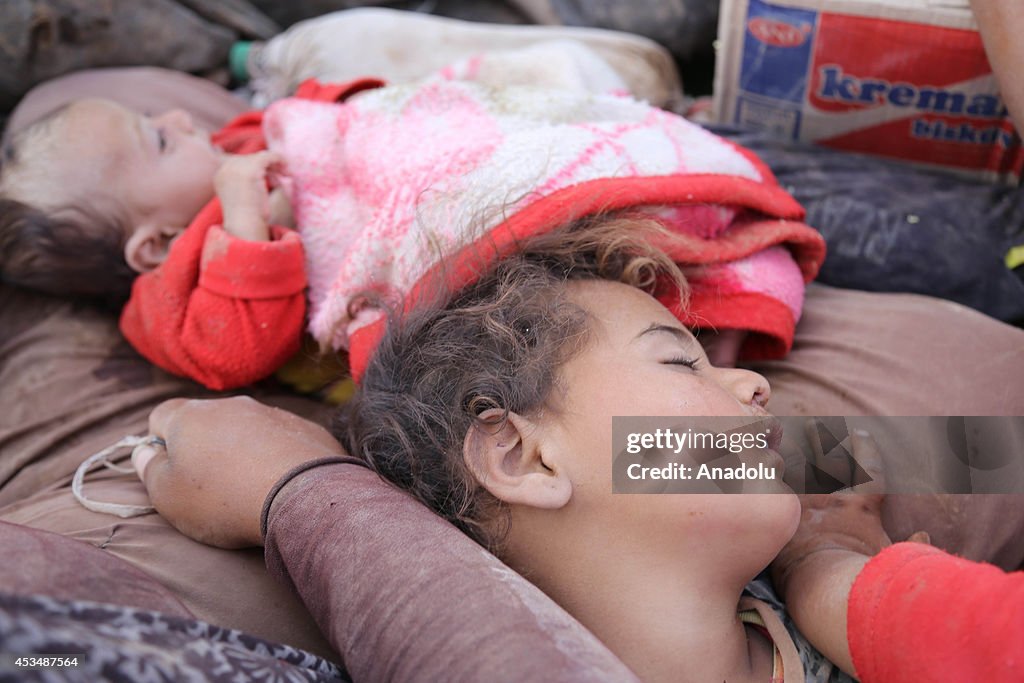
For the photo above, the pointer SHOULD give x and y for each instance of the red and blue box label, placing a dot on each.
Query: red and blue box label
(914, 91)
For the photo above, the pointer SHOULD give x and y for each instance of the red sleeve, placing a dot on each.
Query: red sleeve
(222, 311)
(917, 613)
(242, 135)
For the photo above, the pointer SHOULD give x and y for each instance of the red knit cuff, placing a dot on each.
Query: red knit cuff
(866, 615)
(243, 269)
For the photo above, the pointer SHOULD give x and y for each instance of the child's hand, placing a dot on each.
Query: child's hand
(838, 534)
(241, 185)
(848, 520)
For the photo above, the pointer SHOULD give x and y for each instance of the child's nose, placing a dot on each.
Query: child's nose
(749, 387)
(178, 118)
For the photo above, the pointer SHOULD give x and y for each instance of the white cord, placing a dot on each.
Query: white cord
(119, 509)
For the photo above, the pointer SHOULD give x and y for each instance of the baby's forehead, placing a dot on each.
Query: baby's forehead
(95, 115)
(96, 133)
(79, 144)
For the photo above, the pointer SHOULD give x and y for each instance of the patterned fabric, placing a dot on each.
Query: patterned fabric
(405, 184)
(817, 668)
(123, 644)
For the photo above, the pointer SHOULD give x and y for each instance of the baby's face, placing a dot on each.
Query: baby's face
(155, 169)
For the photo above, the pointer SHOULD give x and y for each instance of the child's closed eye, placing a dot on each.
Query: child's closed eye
(692, 363)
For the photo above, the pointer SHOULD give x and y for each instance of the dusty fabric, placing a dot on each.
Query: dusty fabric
(492, 11)
(40, 562)
(347, 542)
(683, 26)
(121, 644)
(402, 47)
(72, 386)
(890, 228)
(863, 353)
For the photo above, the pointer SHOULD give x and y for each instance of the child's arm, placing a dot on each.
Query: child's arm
(909, 613)
(896, 613)
(838, 534)
(815, 572)
(228, 306)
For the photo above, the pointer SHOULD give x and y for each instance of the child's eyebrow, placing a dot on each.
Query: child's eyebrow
(655, 328)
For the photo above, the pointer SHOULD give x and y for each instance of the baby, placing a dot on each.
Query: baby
(383, 186)
(108, 190)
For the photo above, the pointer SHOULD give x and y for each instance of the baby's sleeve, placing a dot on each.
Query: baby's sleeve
(221, 310)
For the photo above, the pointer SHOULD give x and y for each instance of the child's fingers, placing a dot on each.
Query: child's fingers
(267, 159)
(256, 164)
(271, 168)
(920, 537)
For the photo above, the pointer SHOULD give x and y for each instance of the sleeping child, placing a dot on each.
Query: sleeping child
(383, 184)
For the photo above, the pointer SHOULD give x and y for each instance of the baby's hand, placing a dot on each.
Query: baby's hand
(241, 185)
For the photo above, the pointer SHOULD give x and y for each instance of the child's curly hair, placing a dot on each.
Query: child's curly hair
(499, 343)
(70, 251)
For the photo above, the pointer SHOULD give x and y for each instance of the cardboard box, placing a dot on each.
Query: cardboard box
(905, 79)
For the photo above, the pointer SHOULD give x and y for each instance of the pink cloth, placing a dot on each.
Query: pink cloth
(400, 190)
(403, 182)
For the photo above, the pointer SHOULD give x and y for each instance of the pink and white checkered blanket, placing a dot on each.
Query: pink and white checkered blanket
(397, 180)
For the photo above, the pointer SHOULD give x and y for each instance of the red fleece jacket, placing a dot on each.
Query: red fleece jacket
(919, 614)
(223, 311)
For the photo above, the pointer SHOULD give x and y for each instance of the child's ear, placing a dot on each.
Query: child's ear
(507, 457)
(148, 245)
